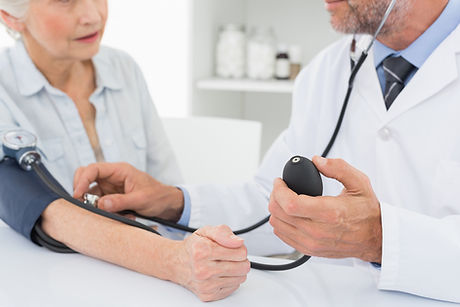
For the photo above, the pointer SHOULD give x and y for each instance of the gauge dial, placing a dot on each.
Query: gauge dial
(19, 139)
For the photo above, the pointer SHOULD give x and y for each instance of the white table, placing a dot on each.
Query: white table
(34, 276)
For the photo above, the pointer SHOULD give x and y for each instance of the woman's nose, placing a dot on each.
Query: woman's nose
(91, 11)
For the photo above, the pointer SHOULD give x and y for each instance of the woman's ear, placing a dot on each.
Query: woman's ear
(12, 22)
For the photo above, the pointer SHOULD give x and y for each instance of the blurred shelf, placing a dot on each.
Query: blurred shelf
(247, 85)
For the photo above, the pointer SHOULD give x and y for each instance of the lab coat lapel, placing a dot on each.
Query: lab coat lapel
(440, 70)
(367, 88)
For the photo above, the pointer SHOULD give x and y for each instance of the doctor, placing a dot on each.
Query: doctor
(397, 207)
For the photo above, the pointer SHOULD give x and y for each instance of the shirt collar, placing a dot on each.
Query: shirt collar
(106, 74)
(420, 50)
(31, 81)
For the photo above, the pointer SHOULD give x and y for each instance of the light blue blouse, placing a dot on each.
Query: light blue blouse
(127, 123)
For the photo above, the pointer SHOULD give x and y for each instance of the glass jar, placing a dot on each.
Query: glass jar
(231, 52)
(261, 54)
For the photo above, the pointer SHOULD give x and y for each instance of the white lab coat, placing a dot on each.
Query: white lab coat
(411, 154)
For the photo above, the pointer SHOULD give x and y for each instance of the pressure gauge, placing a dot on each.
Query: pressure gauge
(21, 145)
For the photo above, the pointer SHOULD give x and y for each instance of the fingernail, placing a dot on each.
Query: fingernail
(321, 161)
(107, 204)
(233, 237)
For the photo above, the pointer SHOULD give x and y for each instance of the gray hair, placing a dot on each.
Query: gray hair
(16, 8)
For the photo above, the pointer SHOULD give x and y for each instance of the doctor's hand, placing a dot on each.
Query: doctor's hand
(123, 187)
(347, 225)
(212, 263)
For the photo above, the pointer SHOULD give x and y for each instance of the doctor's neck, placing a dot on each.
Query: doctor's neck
(421, 14)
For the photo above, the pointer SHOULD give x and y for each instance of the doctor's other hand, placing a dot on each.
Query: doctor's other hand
(123, 187)
(212, 263)
(347, 225)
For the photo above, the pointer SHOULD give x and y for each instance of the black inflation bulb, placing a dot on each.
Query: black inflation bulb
(302, 176)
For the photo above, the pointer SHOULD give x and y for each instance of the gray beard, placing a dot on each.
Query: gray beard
(365, 19)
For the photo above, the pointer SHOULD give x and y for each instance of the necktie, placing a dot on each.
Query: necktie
(396, 71)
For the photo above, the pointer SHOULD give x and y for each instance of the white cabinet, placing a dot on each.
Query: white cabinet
(299, 22)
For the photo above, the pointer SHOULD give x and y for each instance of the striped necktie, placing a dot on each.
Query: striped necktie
(396, 70)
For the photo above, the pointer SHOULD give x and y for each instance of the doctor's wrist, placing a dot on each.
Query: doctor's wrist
(174, 198)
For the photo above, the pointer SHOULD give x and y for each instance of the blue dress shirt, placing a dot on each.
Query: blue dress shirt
(421, 49)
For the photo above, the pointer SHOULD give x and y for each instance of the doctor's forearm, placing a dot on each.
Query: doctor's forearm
(108, 240)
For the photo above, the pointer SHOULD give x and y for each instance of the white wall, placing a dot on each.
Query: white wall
(5, 39)
(302, 22)
(156, 34)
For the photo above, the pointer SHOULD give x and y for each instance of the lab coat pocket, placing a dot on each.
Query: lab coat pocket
(446, 198)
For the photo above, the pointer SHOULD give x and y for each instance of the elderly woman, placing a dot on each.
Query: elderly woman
(90, 104)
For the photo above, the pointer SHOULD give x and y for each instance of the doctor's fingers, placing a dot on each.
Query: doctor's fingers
(85, 176)
(320, 208)
(105, 174)
(314, 243)
(276, 211)
(136, 201)
(79, 187)
(293, 237)
(320, 249)
(290, 202)
(353, 179)
(312, 249)
(320, 232)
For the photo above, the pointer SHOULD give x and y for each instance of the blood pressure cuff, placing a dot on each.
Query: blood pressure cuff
(23, 197)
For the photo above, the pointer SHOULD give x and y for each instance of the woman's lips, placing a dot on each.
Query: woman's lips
(89, 38)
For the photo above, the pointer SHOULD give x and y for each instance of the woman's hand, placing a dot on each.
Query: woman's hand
(123, 187)
(212, 263)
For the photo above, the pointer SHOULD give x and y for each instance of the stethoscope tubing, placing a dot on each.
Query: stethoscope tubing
(43, 239)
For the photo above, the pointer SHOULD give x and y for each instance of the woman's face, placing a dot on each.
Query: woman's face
(66, 29)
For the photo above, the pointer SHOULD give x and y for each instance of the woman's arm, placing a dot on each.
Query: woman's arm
(212, 262)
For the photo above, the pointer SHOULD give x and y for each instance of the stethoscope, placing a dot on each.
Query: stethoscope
(300, 174)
